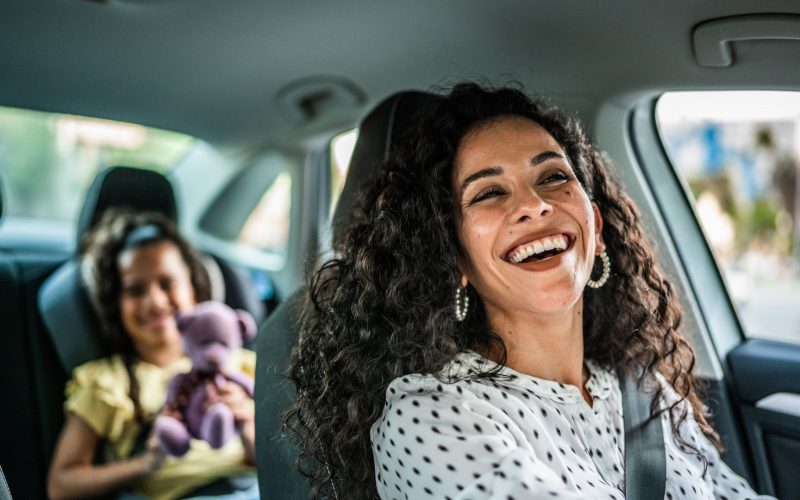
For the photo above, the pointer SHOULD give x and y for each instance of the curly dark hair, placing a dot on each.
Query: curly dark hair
(383, 308)
(101, 248)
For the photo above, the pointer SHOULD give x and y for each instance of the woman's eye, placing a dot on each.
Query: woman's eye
(556, 178)
(485, 195)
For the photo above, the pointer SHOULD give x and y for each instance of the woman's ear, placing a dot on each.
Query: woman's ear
(599, 244)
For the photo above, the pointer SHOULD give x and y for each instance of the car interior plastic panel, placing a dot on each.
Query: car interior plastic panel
(276, 454)
(767, 379)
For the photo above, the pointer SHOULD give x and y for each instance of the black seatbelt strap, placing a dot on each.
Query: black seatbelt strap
(645, 457)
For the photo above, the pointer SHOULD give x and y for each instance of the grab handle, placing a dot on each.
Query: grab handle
(712, 39)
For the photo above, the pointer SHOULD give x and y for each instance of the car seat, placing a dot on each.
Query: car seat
(63, 299)
(276, 454)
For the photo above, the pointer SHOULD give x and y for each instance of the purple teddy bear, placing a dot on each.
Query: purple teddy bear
(211, 333)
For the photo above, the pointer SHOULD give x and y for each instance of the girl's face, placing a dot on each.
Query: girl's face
(529, 232)
(156, 284)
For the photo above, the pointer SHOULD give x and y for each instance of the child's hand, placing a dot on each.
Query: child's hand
(240, 403)
(153, 457)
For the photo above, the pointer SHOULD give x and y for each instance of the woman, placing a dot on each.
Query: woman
(141, 273)
(453, 348)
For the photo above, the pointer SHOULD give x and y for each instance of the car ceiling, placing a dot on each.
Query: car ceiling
(215, 69)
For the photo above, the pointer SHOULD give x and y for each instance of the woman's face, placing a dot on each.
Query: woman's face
(529, 232)
(155, 285)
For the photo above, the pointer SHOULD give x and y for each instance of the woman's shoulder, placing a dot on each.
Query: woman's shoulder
(669, 395)
(451, 387)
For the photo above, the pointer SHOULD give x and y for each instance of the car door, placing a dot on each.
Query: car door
(723, 171)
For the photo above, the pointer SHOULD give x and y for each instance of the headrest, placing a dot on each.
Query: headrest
(377, 134)
(134, 188)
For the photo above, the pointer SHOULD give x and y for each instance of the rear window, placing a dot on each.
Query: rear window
(48, 160)
(738, 154)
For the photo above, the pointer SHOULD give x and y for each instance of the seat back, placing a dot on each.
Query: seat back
(276, 455)
(29, 371)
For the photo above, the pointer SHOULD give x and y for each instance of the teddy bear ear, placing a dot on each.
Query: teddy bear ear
(247, 325)
(183, 320)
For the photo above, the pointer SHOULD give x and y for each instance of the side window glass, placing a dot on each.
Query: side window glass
(49, 159)
(267, 226)
(739, 155)
(341, 152)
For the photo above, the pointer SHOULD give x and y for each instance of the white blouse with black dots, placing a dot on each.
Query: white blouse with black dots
(524, 437)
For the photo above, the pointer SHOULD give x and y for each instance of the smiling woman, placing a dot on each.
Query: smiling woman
(500, 202)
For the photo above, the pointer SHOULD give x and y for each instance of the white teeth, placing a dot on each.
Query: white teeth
(559, 242)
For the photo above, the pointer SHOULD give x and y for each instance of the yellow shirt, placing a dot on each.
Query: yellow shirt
(98, 394)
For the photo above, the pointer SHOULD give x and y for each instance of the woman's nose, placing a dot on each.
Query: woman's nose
(530, 205)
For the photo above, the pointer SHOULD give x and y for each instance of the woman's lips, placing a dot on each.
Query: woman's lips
(538, 246)
(551, 261)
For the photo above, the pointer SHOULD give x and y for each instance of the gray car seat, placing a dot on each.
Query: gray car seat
(63, 301)
(276, 455)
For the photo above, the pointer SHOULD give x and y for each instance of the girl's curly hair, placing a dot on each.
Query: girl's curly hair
(383, 307)
(100, 251)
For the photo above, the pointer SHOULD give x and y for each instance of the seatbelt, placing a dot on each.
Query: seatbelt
(645, 460)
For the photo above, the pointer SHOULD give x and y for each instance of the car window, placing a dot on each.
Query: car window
(341, 151)
(267, 226)
(738, 155)
(48, 160)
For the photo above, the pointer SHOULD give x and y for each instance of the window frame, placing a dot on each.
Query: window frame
(674, 201)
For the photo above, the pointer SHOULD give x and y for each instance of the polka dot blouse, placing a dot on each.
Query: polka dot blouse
(523, 437)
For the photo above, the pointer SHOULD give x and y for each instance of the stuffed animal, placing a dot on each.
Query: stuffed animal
(193, 409)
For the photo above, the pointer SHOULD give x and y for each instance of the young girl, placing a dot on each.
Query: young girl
(142, 272)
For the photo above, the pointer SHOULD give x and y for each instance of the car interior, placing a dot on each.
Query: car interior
(269, 94)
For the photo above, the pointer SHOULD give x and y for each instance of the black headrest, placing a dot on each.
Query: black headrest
(134, 188)
(377, 134)
(277, 478)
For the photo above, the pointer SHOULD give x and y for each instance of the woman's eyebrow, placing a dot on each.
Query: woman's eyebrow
(480, 174)
(493, 171)
(544, 156)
